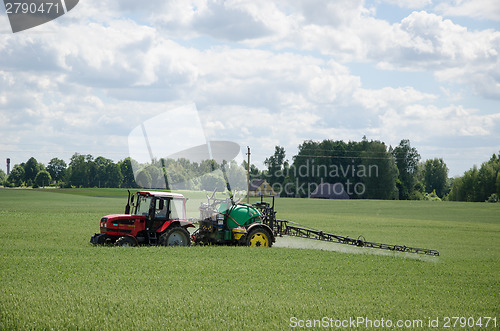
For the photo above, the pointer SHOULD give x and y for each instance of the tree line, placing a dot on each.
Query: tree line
(85, 171)
(478, 185)
(382, 172)
(366, 169)
(82, 171)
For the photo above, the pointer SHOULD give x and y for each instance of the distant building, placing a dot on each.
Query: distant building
(260, 187)
(329, 191)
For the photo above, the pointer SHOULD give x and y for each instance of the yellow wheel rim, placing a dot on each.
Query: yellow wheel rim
(259, 239)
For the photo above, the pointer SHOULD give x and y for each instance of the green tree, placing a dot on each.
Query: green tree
(498, 183)
(144, 179)
(255, 173)
(31, 169)
(469, 185)
(380, 171)
(114, 177)
(92, 175)
(43, 178)
(365, 168)
(275, 166)
(486, 178)
(435, 174)
(456, 190)
(213, 181)
(407, 158)
(157, 179)
(127, 170)
(3, 176)
(83, 171)
(101, 177)
(207, 166)
(77, 170)
(57, 169)
(16, 176)
(478, 184)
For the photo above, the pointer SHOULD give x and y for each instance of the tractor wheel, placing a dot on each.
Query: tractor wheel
(176, 236)
(259, 237)
(125, 242)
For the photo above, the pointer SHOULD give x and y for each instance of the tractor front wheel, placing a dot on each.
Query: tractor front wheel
(125, 242)
(176, 236)
(259, 238)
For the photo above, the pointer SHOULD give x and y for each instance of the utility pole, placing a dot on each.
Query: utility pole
(248, 176)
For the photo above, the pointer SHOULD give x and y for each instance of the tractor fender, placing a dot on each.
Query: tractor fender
(184, 224)
(261, 225)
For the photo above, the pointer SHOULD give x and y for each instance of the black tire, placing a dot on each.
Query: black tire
(125, 242)
(259, 237)
(101, 240)
(98, 239)
(176, 236)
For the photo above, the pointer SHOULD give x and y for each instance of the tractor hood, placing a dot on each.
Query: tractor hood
(119, 216)
(123, 216)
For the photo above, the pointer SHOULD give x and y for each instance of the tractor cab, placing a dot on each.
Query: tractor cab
(157, 205)
(159, 208)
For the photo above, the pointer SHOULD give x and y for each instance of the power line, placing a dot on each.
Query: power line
(344, 157)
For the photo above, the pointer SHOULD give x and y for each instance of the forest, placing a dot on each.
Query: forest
(366, 170)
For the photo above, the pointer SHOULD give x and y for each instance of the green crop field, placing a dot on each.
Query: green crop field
(51, 277)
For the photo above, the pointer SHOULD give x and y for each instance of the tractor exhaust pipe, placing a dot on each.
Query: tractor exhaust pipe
(127, 207)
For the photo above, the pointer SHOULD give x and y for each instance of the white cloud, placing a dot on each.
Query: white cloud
(389, 97)
(428, 42)
(479, 9)
(431, 123)
(412, 4)
(421, 42)
(261, 73)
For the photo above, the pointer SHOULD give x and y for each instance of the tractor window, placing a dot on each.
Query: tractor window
(178, 212)
(161, 208)
(143, 204)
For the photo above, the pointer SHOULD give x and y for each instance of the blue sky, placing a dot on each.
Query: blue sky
(260, 73)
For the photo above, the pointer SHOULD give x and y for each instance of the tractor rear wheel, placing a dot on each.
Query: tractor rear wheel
(259, 237)
(125, 242)
(176, 236)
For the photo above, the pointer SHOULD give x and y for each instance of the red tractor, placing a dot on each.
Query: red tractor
(151, 218)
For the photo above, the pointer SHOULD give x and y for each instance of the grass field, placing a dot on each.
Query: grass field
(51, 277)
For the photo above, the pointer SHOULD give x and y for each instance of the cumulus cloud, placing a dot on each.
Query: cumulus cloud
(389, 97)
(480, 9)
(428, 122)
(269, 73)
(428, 42)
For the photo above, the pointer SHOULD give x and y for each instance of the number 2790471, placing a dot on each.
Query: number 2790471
(32, 8)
